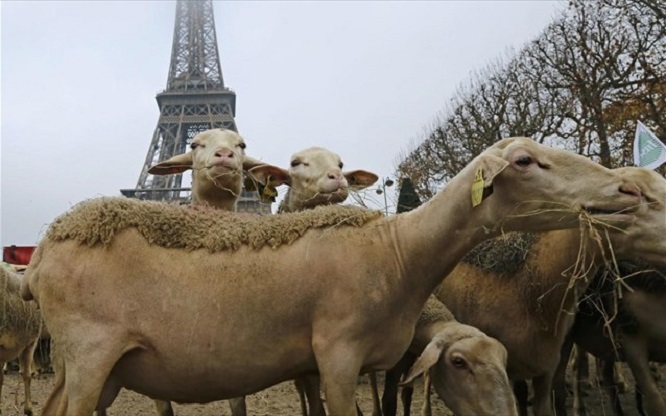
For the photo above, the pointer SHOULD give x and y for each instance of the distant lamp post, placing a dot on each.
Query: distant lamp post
(381, 190)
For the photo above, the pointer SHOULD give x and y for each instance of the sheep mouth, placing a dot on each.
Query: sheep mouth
(609, 212)
(338, 193)
(222, 166)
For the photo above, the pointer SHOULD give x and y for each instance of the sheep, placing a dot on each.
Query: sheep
(636, 325)
(476, 349)
(252, 301)
(20, 325)
(217, 159)
(315, 178)
(523, 290)
(468, 367)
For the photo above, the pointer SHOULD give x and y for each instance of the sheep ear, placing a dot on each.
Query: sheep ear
(360, 179)
(177, 164)
(270, 175)
(264, 179)
(490, 167)
(249, 162)
(428, 358)
(487, 169)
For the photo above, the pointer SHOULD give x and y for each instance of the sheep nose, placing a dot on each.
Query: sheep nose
(630, 188)
(226, 153)
(334, 175)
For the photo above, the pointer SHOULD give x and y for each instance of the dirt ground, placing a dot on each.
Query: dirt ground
(280, 400)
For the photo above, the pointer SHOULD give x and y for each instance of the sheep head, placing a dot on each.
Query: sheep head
(217, 159)
(644, 238)
(468, 370)
(315, 177)
(528, 183)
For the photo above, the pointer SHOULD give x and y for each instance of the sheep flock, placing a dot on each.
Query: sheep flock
(494, 293)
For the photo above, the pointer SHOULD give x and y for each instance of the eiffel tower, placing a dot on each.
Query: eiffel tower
(195, 100)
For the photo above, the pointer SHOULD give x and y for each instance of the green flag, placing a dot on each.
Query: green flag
(649, 151)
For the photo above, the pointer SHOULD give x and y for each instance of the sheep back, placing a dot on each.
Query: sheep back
(97, 221)
(504, 255)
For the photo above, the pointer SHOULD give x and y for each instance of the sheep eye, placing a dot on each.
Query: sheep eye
(340, 165)
(194, 145)
(295, 163)
(524, 161)
(242, 145)
(458, 362)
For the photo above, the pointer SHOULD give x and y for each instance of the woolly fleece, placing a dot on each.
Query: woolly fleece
(434, 310)
(97, 221)
(17, 317)
(503, 255)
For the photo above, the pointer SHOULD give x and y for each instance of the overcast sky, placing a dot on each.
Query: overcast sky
(79, 80)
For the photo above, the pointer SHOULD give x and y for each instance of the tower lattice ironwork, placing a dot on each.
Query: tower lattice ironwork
(195, 99)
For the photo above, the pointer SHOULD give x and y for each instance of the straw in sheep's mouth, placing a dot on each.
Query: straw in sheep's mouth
(603, 211)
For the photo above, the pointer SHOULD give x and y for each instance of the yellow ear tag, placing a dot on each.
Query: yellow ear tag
(269, 192)
(477, 187)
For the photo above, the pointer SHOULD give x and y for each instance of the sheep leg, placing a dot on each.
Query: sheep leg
(87, 368)
(25, 363)
(521, 392)
(56, 398)
(238, 407)
(635, 351)
(426, 410)
(391, 383)
(2, 380)
(406, 397)
(580, 375)
(559, 378)
(339, 367)
(164, 408)
(542, 404)
(608, 377)
(308, 389)
(639, 401)
(376, 406)
(300, 388)
(620, 383)
(582, 365)
(313, 394)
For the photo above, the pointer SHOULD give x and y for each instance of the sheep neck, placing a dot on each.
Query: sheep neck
(430, 240)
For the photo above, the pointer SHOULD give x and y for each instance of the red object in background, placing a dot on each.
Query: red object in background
(17, 254)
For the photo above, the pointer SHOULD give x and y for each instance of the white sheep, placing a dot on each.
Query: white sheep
(217, 159)
(523, 289)
(20, 324)
(246, 302)
(315, 178)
